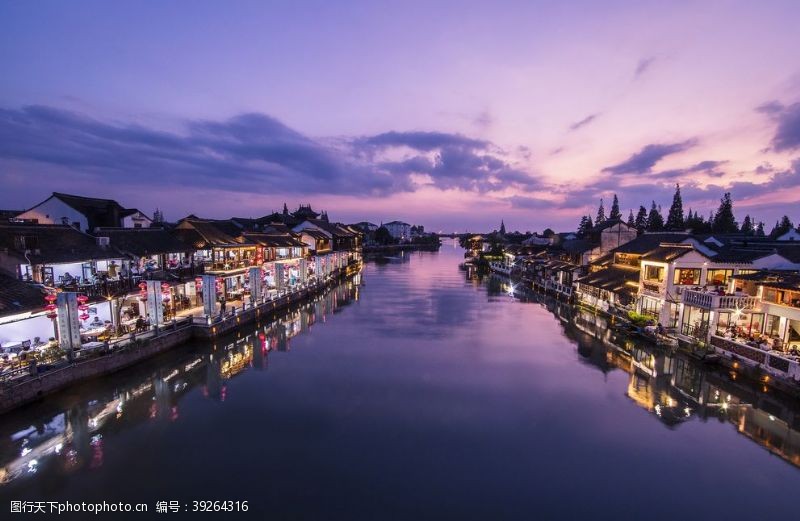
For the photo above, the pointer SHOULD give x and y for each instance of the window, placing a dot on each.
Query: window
(654, 273)
(687, 276)
(719, 277)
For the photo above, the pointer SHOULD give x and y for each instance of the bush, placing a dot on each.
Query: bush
(638, 319)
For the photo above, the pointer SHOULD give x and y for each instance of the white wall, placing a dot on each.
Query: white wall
(27, 329)
(54, 211)
(139, 218)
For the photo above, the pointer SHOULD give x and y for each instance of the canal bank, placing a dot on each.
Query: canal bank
(432, 395)
(134, 349)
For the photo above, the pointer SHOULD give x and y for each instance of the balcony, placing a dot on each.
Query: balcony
(710, 300)
(226, 267)
(655, 289)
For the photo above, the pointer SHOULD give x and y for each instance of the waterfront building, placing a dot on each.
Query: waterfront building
(221, 250)
(84, 213)
(399, 230)
(342, 238)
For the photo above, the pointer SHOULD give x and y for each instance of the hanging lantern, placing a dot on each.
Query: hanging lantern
(198, 283)
(82, 299)
(50, 297)
(85, 316)
(52, 315)
(165, 286)
(50, 307)
(83, 307)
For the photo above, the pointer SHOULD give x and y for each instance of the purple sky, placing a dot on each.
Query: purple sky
(448, 114)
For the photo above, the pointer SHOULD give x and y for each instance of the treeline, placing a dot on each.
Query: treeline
(721, 221)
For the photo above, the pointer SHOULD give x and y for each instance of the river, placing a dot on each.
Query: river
(415, 392)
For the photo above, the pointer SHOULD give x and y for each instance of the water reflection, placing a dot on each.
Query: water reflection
(71, 438)
(418, 395)
(671, 386)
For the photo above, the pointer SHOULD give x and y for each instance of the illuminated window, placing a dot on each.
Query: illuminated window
(687, 276)
(654, 273)
(718, 277)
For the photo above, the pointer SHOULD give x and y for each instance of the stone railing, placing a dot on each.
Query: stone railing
(773, 362)
(707, 300)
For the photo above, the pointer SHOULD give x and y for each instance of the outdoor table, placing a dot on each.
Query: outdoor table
(93, 333)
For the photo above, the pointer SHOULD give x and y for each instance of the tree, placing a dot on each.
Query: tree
(747, 226)
(675, 220)
(760, 229)
(655, 222)
(382, 236)
(641, 219)
(585, 225)
(781, 227)
(615, 213)
(631, 220)
(601, 214)
(724, 220)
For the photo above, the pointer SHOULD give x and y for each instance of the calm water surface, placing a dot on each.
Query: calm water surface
(415, 393)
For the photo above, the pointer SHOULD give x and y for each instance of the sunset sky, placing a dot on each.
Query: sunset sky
(448, 114)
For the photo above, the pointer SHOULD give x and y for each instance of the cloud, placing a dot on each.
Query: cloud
(787, 135)
(643, 65)
(253, 153)
(426, 141)
(531, 203)
(710, 168)
(643, 161)
(582, 123)
(770, 107)
(449, 161)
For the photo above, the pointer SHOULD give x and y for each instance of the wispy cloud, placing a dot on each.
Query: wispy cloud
(643, 66)
(644, 160)
(582, 123)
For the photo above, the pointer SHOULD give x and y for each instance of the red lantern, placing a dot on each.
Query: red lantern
(165, 286)
(85, 316)
(50, 297)
(50, 307)
(198, 283)
(143, 286)
(82, 299)
(52, 315)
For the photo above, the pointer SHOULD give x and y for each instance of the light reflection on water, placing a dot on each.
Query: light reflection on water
(421, 393)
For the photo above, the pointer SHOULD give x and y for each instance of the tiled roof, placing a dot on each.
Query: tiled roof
(202, 234)
(274, 240)
(316, 234)
(575, 246)
(667, 252)
(17, 296)
(774, 279)
(143, 241)
(51, 244)
(614, 278)
(650, 241)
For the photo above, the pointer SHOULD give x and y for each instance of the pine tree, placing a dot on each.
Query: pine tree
(601, 214)
(585, 225)
(641, 219)
(675, 218)
(724, 221)
(747, 226)
(760, 229)
(655, 222)
(615, 213)
(782, 226)
(631, 220)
